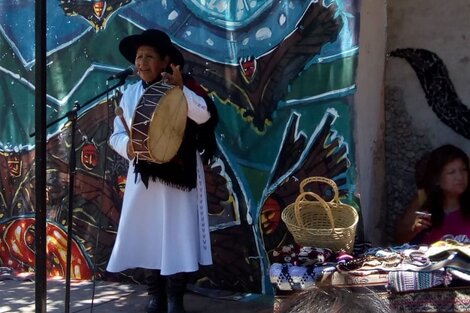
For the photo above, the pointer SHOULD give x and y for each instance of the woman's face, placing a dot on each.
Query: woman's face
(454, 178)
(149, 64)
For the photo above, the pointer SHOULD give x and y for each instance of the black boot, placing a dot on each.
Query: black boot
(176, 286)
(156, 284)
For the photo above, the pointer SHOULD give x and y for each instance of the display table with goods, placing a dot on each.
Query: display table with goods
(413, 278)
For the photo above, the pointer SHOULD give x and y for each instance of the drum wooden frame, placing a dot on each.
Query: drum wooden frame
(159, 123)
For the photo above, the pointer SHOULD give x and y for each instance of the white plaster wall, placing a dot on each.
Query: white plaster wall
(369, 116)
(442, 27)
(411, 127)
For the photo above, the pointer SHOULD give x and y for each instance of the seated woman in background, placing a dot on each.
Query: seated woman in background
(445, 208)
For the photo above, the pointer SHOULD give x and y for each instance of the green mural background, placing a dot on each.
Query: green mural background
(282, 75)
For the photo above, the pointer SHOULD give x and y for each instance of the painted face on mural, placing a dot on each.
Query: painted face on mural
(98, 8)
(149, 64)
(454, 178)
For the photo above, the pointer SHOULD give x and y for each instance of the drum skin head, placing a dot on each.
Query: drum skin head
(167, 125)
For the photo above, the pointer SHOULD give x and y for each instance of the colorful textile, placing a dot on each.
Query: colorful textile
(289, 277)
(299, 255)
(400, 281)
(386, 260)
(458, 238)
(400, 269)
(438, 300)
(444, 246)
(347, 280)
(451, 255)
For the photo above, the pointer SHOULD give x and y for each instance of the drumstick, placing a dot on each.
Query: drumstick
(119, 112)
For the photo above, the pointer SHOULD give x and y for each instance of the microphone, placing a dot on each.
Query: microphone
(131, 70)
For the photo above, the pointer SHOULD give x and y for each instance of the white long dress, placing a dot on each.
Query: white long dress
(161, 227)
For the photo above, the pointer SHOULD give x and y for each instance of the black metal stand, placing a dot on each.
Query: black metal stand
(72, 118)
(40, 157)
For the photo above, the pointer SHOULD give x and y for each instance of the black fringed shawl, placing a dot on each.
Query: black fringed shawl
(180, 172)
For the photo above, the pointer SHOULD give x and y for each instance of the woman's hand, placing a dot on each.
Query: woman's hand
(421, 222)
(176, 78)
(130, 151)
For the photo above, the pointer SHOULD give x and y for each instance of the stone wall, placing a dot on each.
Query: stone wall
(404, 146)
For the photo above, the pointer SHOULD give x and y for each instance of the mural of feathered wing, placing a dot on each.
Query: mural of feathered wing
(96, 12)
(438, 88)
(256, 85)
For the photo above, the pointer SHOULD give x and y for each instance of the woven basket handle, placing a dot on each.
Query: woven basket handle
(321, 179)
(303, 197)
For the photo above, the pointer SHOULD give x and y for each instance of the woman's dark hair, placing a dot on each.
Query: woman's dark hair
(439, 158)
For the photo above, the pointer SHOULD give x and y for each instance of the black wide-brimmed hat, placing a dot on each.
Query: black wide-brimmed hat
(176, 57)
(150, 37)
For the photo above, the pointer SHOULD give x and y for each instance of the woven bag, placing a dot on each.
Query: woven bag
(314, 222)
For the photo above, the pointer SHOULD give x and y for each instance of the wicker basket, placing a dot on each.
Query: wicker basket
(314, 222)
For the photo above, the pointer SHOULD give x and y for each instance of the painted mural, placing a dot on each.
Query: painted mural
(437, 86)
(282, 75)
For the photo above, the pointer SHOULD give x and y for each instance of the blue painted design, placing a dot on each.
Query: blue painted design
(17, 23)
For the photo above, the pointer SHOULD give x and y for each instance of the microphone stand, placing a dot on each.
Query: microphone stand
(72, 118)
